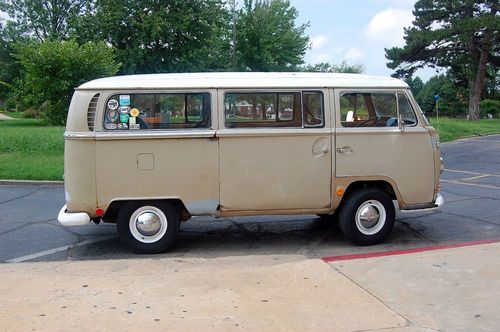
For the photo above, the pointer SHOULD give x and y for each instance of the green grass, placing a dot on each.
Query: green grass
(15, 115)
(31, 151)
(451, 129)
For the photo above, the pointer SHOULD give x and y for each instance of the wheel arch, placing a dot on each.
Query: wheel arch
(385, 184)
(114, 207)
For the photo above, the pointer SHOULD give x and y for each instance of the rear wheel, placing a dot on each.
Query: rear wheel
(367, 216)
(148, 227)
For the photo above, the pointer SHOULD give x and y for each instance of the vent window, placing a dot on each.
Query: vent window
(91, 112)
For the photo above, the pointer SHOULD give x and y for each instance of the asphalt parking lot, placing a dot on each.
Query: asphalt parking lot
(29, 230)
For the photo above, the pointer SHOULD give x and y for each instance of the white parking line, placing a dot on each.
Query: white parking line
(476, 177)
(470, 184)
(458, 171)
(469, 172)
(59, 249)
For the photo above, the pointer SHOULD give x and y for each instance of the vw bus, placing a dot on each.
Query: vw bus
(150, 151)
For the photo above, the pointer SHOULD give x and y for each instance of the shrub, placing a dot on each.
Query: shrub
(52, 69)
(489, 106)
(31, 113)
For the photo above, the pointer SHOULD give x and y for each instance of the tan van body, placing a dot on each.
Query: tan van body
(223, 170)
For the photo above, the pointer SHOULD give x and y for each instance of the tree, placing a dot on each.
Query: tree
(462, 36)
(10, 70)
(415, 84)
(53, 69)
(44, 19)
(267, 38)
(325, 67)
(453, 98)
(152, 36)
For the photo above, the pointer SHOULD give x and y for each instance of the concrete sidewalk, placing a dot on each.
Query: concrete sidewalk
(4, 117)
(454, 289)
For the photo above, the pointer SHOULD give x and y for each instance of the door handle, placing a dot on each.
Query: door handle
(345, 149)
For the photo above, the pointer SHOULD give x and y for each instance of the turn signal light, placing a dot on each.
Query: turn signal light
(340, 191)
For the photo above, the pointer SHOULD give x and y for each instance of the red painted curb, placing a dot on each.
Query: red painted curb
(405, 251)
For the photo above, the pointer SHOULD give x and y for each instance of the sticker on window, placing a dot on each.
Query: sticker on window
(124, 100)
(112, 104)
(112, 115)
(124, 118)
(124, 109)
(134, 112)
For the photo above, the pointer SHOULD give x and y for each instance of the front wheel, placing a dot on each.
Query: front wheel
(367, 216)
(148, 227)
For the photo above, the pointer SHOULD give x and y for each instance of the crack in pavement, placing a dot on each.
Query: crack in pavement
(14, 229)
(476, 219)
(468, 195)
(22, 196)
(27, 224)
(400, 327)
(408, 322)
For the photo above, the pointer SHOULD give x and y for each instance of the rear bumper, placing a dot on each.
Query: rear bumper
(72, 219)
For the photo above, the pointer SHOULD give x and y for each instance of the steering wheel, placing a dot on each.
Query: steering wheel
(371, 122)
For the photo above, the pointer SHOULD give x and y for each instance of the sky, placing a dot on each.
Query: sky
(356, 31)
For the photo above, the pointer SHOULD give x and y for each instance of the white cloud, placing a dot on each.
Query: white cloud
(318, 41)
(354, 54)
(321, 57)
(398, 3)
(386, 27)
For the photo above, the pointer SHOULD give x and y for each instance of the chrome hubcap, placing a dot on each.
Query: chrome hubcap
(370, 217)
(148, 223)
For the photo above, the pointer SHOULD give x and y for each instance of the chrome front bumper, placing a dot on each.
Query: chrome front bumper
(72, 219)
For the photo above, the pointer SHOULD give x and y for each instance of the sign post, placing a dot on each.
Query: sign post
(436, 98)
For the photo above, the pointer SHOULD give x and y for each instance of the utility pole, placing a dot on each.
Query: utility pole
(233, 4)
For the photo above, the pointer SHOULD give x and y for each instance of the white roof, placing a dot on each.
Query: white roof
(242, 80)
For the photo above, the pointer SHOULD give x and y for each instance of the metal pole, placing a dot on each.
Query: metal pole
(437, 109)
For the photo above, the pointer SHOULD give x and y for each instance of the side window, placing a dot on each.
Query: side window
(157, 111)
(406, 110)
(365, 109)
(281, 109)
(313, 109)
(263, 109)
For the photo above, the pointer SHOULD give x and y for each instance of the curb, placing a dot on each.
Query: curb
(470, 137)
(31, 182)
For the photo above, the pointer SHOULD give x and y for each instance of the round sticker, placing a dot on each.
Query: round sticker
(124, 109)
(124, 118)
(112, 115)
(112, 104)
(134, 112)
